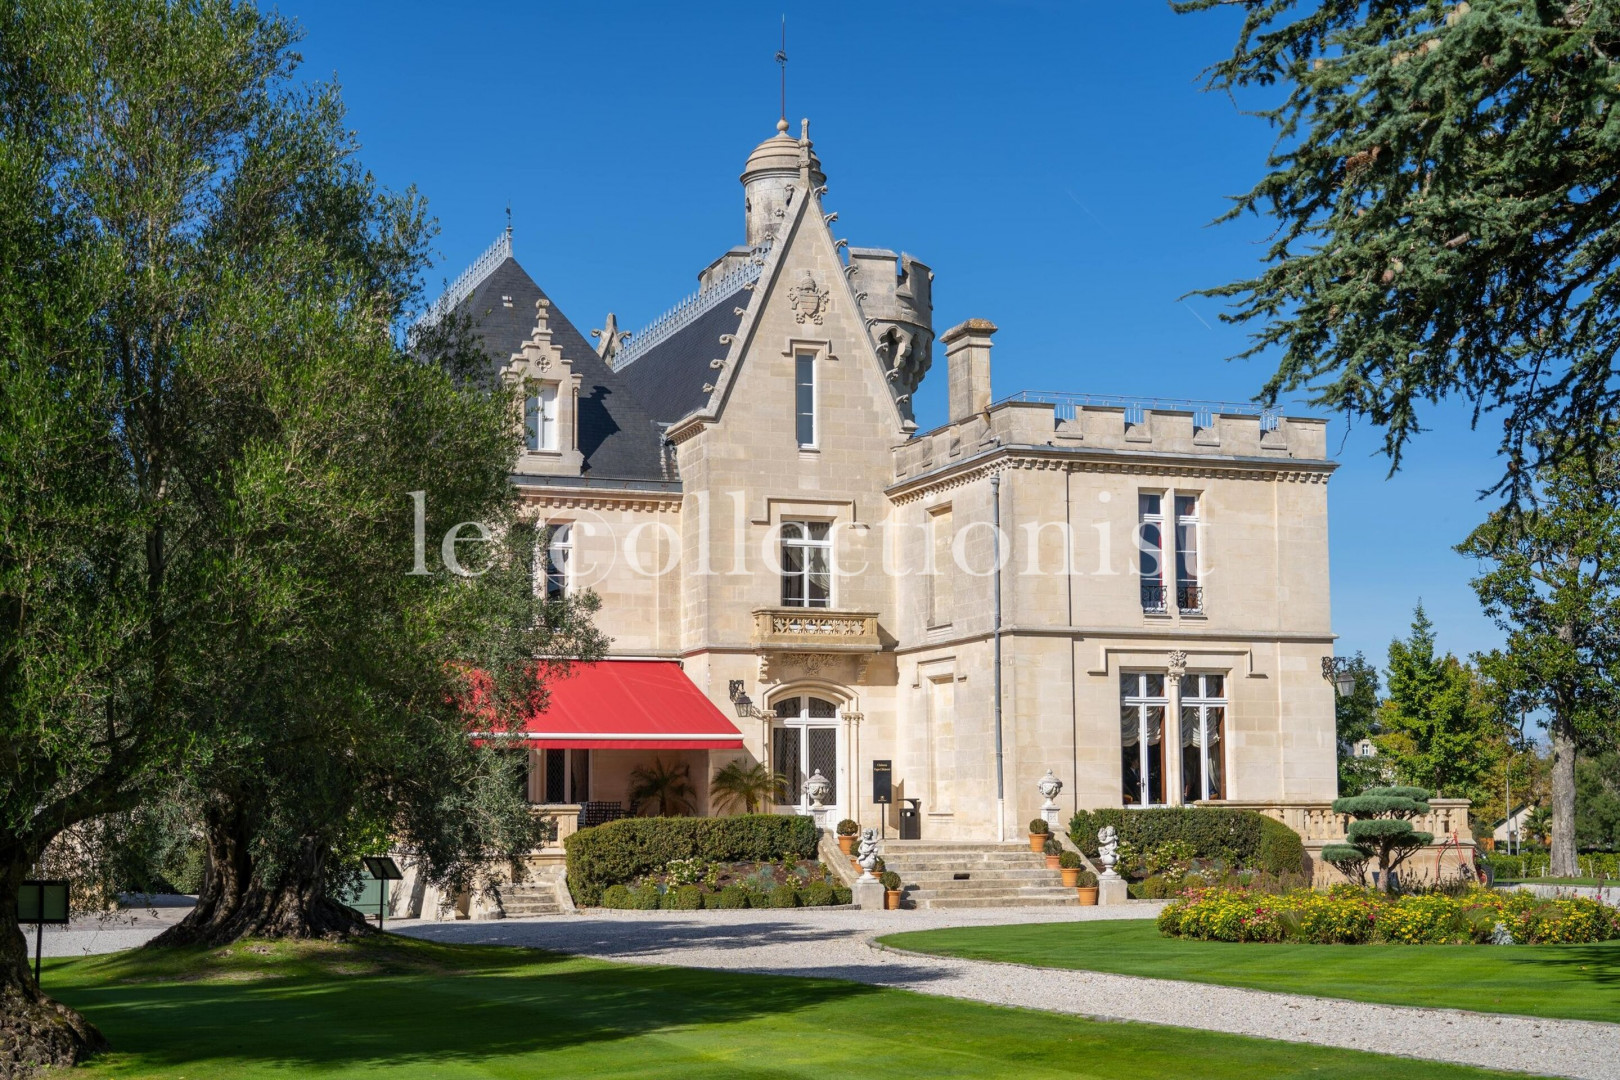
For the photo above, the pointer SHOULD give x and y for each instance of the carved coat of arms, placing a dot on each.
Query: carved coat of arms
(809, 300)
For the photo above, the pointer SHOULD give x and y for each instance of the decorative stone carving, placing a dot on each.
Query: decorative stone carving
(1108, 850)
(1049, 786)
(609, 339)
(818, 787)
(1178, 663)
(811, 662)
(831, 625)
(809, 300)
(866, 854)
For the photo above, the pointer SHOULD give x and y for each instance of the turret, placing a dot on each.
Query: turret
(777, 172)
(896, 296)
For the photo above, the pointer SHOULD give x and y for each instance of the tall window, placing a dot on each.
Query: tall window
(565, 776)
(803, 740)
(1203, 731)
(806, 564)
(557, 565)
(540, 419)
(1189, 594)
(940, 576)
(1150, 549)
(804, 398)
(1142, 706)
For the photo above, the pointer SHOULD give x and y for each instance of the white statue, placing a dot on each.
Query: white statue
(1049, 786)
(1108, 849)
(866, 854)
(818, 787)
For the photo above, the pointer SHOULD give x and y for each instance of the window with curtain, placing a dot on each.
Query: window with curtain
(559, 557)
(1203, 737)
(804, 397)
(540, 419)
(1150, 549)
(1189, 593)
(806, 564)
(1142, 706)
(804, 738)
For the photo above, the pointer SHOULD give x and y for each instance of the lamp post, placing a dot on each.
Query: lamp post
(1341, 672)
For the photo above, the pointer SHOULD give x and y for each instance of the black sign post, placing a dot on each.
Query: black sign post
(41, 902)
(883, 790)
(384, 870)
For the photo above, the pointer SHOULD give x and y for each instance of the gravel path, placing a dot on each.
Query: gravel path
(838, 944)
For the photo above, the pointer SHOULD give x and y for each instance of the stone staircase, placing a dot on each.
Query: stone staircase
(531, 901)
(939, 874)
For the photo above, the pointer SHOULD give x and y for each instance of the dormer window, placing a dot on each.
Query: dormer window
(540, 419)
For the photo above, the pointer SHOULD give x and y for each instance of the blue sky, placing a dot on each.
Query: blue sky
(1055, 163)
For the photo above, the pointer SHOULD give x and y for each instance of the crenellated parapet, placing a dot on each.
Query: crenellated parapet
(895, 293)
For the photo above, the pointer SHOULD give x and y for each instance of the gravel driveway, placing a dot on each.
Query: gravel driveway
(837, 944)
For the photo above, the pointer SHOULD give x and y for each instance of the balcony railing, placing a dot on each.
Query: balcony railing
(1153, 598)
(1190, 599)
(816, 629)
(1156, 598)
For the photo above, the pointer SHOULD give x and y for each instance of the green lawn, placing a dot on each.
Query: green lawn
(1580, 982)
(411, 1009)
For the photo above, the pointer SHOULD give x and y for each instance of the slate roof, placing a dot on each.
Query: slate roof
(617, 436)
(669, 378)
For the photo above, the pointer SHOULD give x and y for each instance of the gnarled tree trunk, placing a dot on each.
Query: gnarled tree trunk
(34, 1030)
(236, 903)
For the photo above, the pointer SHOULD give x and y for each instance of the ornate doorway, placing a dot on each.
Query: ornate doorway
(806, 737)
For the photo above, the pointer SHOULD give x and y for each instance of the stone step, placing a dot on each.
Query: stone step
(947, 902)
(894, 862)
(1027, 890)
(1042, 876)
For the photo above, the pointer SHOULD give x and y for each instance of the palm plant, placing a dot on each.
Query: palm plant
(666, 787)
(747, 786)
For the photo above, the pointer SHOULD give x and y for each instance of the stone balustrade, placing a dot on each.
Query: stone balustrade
(816, 630)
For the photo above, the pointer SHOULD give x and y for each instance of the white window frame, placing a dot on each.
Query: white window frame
(808, 544)
(797, 726)
(1144, 518)
(811, 359)
(541, 419)
(558, 539)
(1194, 522)
(1203, 702)
(1142, 701)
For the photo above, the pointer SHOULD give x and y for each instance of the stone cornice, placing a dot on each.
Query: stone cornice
(1090, 459)
(585, 498)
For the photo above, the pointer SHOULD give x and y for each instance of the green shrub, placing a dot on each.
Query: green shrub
(646, 897)
(1214, 832)
(616, 896)
(891, 880)
(818, 894)
(1053, 846)
(1155, 887)
(842, 894)
(1086, 880)
(784, 896)
(1039, 827)
(687, 898)
(730, 898)
(622, 851)
(1070, 860)
(1281, 851)
(849, 827)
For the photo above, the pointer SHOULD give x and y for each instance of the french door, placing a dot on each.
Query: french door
(804, 739)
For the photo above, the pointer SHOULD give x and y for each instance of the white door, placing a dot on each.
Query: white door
(805, 738)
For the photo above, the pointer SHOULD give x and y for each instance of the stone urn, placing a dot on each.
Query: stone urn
(817, 787)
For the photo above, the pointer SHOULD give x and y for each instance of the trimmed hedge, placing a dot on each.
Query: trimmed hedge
(1215, 832)
(624, 850)
(1281, 850)
(783, 896)
(1535, 864)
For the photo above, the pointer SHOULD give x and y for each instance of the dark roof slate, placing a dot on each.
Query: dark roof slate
(669, 378)
(617, 437)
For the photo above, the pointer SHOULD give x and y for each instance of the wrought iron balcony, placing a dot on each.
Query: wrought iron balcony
(1153, 598)
(1190, 599)
(816, 629)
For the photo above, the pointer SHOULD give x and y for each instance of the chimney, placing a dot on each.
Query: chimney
(967, 365)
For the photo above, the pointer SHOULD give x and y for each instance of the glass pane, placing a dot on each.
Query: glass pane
(785, 759)
(556, 765)
(1130, 770)
(1215, 719)
(1187, 554)
(1215, 686)
(1130, 684)
(805, 400)
(1155, 723)
(1151, 549)
(818, 529)
(1130, 725)
(819, 593)
(822, 710)
(823, 753)
(1186, 506)
(1192, 764)
(1155, 791)
(1153, 685)
(1147, 504)
(1189, 726)
(531, 423)
(792, 530)
(788, 706)
(580, 775)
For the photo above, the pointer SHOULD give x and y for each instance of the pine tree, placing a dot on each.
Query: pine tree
(1434, 734)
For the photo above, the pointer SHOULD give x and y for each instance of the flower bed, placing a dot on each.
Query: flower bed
(1346, 915)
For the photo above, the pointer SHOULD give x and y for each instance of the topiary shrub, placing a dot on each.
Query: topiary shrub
(731, 897)
(1053, 846)
(849, 827)
(842, 894)
(891, 881)
(1039, 827)
(687, 898)
(1086, 880)
(818, 894)
(622, 851)
(1070, 860)
(617, 896)
(1381, 831)
(646, 897)
(784, 896)
(1281, 850)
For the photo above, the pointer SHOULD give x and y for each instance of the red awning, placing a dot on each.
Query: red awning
(629, 705)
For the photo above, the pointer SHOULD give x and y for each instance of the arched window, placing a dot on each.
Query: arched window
(804, 738)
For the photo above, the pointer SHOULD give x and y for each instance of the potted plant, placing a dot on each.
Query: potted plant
(1054, 853)
(1069, 863)
(1086, 888)
(891, 887)
(848, 829)
(1038, 830)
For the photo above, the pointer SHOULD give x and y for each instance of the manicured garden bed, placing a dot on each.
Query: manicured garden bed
(692, 885)
(408, 1010)
(1577, 982)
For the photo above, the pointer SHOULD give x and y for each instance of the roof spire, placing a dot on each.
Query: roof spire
(781, 61)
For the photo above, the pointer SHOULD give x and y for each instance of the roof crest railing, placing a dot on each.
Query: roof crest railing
(1204, 412)
(685, 313)
(470, 279)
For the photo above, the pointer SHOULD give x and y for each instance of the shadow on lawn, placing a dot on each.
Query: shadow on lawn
(630, 938)
(1594, 963)
(501, 1010)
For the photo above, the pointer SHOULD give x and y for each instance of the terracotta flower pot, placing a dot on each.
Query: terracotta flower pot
(1037, 842)
(1071, 876)
(846, 844)
(1054, 862)
(1087, 895)
(891, 899)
